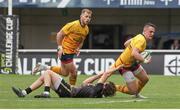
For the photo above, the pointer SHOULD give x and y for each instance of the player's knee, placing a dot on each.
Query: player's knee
(73, 75)
(73, 72)
(48, 72)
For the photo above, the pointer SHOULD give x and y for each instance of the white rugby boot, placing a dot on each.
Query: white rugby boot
(39, 67)
(139, 96)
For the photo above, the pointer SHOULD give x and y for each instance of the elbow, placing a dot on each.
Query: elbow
(58, 35)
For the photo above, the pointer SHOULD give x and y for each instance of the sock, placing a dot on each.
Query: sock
(72, 80)
(56, 69)
(47, 89)
(27, 91)
(123, 89)
(24, 92)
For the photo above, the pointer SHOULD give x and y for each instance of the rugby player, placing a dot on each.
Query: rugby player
(54, 81)
(70, 40)
(134, 74)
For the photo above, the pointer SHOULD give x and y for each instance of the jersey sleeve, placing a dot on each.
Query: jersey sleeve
(68, 28)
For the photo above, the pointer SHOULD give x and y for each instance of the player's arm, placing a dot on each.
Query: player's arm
(127, 43)
(136, 54)
(91, 79)
(108, 73)
(61, 34)
(59, 37)
(80, 46)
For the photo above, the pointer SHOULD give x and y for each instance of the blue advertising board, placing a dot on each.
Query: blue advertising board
(93, 3)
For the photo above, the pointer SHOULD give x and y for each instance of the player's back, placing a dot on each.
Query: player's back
(88, 91)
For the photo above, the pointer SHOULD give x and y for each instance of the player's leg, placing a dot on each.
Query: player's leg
(67, 67)
(57, 69)
(142, 77)
(58, 84)
(40, 67)
(50, 81)
(60, 70)
(131, 84)
(32, 87)
(71, 69)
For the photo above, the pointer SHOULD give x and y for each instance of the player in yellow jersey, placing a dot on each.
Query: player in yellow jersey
(70, 40)
(127, 62)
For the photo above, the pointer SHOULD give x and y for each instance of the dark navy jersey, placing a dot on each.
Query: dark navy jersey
(87, 91)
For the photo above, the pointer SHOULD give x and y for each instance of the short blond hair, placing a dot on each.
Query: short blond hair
(149, 24)
(86, 10)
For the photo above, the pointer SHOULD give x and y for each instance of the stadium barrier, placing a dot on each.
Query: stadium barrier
(164, 62)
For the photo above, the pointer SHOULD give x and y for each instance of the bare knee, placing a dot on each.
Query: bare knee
(49, 72)
(73, 72)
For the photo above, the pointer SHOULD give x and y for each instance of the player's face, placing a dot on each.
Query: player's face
(149, 32)
(85, 18)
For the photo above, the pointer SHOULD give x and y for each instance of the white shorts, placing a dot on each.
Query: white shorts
(129, 75)
(57, 83)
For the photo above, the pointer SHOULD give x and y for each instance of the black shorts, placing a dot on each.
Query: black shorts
(67, 58)
(64, 89)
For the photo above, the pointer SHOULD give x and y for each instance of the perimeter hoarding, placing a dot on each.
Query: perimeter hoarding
(89, 62)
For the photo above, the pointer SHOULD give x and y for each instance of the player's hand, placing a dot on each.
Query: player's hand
(147, 60)
(60, 51)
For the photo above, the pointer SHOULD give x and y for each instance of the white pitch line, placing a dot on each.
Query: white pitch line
(63, 3)
(115, 101)
(99, 102)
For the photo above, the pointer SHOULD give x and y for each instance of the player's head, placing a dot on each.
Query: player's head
(109, 89)
(85, 16)
(149, 30)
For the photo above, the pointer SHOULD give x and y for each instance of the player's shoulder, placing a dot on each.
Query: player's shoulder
(139, 37)
(75, 22)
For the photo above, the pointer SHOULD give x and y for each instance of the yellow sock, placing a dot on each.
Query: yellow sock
(122, 88)
(72, 79)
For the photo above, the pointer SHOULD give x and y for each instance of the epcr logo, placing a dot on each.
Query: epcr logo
(172, 65)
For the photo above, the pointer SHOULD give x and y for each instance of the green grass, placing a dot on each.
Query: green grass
(163, 92)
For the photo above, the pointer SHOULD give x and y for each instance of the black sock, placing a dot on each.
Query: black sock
(28, 90)
(47, 89)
